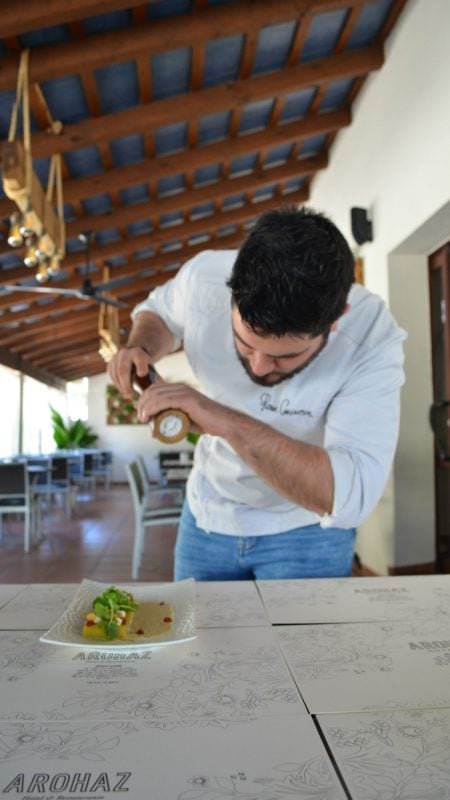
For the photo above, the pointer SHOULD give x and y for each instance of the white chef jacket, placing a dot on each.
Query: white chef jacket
(346, 401)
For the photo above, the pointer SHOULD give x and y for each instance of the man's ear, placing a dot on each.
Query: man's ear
(335, 324)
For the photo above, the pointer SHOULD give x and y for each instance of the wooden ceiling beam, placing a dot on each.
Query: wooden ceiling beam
(18, 339)
(72, 350)
(184, 108)
(62, 344)
(72, 322)
(77, 189)
(15, 361)
(155, 36)
(69, 303)
(163, 236)
(185, 201)
(25, 16)
(158, 263)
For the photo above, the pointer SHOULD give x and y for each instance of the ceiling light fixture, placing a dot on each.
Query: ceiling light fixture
(36, 224)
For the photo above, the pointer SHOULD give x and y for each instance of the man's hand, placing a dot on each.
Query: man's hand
(121, 365)
(206, 415)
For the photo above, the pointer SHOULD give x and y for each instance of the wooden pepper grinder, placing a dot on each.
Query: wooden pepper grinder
(169, 426)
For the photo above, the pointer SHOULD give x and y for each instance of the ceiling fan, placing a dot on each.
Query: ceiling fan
(88, 290)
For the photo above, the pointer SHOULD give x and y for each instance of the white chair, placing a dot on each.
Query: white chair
(147, 513)
(156, 493)
(16, 498)
(58, 483)
(102, 467)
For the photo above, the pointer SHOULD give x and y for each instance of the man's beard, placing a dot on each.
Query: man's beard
(264, 380)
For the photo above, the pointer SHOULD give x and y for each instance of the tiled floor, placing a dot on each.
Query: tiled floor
(96, 544)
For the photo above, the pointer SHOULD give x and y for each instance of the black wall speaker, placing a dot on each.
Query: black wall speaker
(361, 225)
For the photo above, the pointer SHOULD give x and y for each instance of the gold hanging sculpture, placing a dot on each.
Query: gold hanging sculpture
(36, 224)
(108, 327)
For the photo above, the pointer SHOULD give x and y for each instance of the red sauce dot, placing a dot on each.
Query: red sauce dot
(140, 631)
(167, 619)
(89, 622)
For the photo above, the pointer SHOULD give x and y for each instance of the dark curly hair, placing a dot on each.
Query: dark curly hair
(293, 273)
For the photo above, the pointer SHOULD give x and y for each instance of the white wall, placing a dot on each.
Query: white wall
(127, 441)
(395, 161)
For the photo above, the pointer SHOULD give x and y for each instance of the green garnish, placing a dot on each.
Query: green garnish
(108, 604)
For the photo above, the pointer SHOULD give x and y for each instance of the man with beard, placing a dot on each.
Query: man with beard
(301, 372)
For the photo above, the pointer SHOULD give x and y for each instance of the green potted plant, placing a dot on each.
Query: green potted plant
(74, 434)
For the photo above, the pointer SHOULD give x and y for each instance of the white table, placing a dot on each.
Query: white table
(243, 710)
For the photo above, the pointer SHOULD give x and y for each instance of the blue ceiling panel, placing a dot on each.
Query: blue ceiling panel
(175, 244)
(255, 116)
(134, 194)
(168, 8)
(369, 24)
(222, 60)
(128, 150)
(293, 185)
(144, 252)
(117, 87)
(139, 227)
(6, 107)
(203, 210)
(264, 193)
(112, 21)
(41, 167)
(45, 37)
(278, 155)
(274, 43)
(106, 237)
(171, 73)
(313, 145)
(73, 245)
(83, 162)
(198, 238)
(323, 34)
(234, 201)
(226, 230)
(171, 185)
(11, 260)
(297, 105)
(213, 127)
(243, 165)
(336, 94)
(171, 139)
(174, 218)
(207, 174)
(100, 204)
(66, 99)
(69, 212)
(116, 261)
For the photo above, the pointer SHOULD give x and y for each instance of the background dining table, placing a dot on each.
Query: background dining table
(320, 690)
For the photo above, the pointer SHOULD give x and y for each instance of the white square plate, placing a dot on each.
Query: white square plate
(181, 596)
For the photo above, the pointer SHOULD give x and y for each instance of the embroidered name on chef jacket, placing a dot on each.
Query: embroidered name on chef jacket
(281, 408)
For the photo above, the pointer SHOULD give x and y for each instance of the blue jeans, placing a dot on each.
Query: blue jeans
(308, 552)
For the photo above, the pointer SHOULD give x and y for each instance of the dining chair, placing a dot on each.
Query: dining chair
(147, 513)
(16, 498)
(81, 475)
(156, 492)
(58, 484)
(102, 467)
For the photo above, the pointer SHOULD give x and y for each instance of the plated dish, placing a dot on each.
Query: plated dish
(68, 630)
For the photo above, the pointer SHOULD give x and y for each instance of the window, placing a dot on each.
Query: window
(37, 426)
(10, 416)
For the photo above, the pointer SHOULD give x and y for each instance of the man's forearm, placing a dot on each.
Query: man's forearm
(299, 471)
(152, 334)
